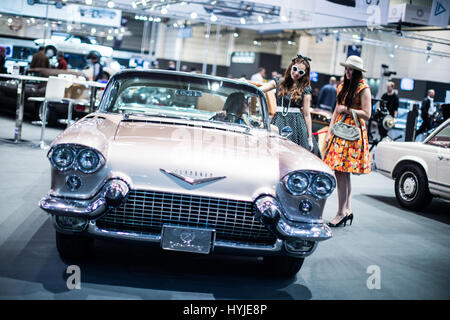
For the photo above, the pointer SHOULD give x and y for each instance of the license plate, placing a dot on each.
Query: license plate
(187, 239)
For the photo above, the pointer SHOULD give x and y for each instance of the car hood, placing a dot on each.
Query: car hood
(145, 153)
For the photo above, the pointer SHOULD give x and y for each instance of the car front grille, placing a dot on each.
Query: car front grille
(146, 211)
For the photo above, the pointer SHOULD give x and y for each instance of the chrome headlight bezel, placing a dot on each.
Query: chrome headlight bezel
(80, 166)
(52, 154)
(76, 151)
(313, 178)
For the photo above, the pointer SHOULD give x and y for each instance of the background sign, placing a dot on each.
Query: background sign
(440, 13)
(68, 12)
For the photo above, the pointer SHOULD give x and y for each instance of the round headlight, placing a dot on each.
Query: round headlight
(322, 186)
(62, 157)
(88, 160)
(297, 183)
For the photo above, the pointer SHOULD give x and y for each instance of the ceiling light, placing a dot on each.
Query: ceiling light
(242, 20)
(260, 19)
(111, 4)
(164, 10)
(93, 30)
(235, 34)
(88, 2)
(213, 18)
(194, 15)
(134, 5)
(69, 27)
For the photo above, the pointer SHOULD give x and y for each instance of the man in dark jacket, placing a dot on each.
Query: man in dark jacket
(40, 60)
(327, 95)
(427, 110)
(2, 60)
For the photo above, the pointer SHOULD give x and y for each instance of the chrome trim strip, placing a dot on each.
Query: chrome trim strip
(190, 180)
(439, 184)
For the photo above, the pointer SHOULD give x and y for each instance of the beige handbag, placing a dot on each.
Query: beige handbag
(347, 131)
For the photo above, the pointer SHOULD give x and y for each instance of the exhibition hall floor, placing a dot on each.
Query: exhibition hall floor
(408, 251)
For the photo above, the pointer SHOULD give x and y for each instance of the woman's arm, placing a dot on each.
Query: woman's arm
(366, 106)
(268, 86)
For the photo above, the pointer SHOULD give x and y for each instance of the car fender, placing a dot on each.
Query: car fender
(409, 158)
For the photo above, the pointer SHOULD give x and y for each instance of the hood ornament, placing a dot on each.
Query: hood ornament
(190, 180)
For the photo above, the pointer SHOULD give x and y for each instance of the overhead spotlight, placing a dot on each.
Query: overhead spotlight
(260, 19)
(429, 59)
(213, 18)
(194, 15)
(88, 2)
(164, 10)
(243, 21)
(111, 4)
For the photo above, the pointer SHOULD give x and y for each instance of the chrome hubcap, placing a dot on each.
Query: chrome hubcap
(408, 186)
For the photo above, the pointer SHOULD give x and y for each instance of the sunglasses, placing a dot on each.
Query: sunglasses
(298, 70)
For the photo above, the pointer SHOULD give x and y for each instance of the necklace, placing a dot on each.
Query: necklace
(285, 111)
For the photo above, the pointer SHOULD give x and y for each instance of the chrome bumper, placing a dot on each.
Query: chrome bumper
(278, 248)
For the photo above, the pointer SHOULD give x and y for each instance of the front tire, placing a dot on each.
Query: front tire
(411, 187)
(73, 246)
(283, 266)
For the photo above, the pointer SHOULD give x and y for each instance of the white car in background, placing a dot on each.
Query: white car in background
(421, 169)
(68, 43)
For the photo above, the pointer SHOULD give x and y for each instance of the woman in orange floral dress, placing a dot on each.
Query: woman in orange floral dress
(343, 156)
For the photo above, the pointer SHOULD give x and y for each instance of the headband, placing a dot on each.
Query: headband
(299, 56)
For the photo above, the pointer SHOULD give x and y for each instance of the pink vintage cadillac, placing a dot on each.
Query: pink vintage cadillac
(187, 162)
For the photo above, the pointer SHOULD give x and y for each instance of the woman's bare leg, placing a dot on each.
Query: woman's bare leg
(342, 189)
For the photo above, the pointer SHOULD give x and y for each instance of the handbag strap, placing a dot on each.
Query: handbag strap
(354, 118)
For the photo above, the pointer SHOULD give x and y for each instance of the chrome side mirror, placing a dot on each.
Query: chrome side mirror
(286, 132)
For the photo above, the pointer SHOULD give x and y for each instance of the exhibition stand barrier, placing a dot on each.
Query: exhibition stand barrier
(51, 94)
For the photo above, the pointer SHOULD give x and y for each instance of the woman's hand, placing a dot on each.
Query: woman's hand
(311, 144)
(342, 109)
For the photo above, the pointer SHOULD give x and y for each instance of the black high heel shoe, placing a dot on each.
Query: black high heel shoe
(350, 217)
(343, 221)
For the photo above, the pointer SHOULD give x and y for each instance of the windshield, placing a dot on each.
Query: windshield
(185, 96)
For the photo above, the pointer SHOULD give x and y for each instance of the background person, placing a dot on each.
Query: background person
(427, 110)
(391, 99)
(62, 63)
(97, 68)
(2, 60)
(293, 94)
(343, 156)
(259, 76)
(327, 95)
(40, 60)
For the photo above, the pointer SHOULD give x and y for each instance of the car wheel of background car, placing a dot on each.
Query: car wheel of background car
(50, 51)
(51, 115)
(283, 266)
(73, 246)
(411, 187)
